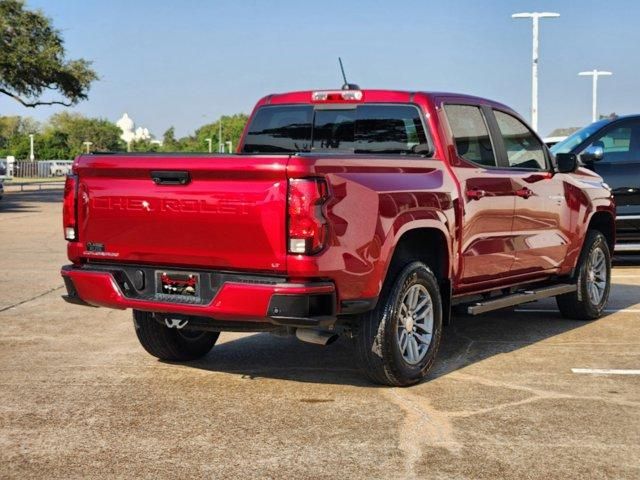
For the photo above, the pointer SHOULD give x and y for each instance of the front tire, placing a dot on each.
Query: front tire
(170, 343)
(397, 342)
(593, 277)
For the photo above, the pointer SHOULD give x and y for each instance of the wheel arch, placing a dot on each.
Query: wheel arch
(431, 246)
(603, 222)
(426, 244)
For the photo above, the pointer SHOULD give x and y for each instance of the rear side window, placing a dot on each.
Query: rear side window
(371, 128)
(471, 134)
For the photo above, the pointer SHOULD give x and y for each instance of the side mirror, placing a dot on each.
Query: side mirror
(593, 153)
(566, 162)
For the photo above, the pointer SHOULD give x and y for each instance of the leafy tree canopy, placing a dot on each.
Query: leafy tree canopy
(32, 59)
(78, 129)
(232, 127)
(64, 134)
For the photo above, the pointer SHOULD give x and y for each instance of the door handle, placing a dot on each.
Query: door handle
(170, 177)
(524, 192)
(474, 194)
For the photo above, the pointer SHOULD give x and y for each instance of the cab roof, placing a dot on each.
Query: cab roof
(376, 96)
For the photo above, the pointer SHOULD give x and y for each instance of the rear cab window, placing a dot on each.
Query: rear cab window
(360, 129)
(280, 130)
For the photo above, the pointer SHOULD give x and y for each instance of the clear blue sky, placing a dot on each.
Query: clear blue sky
(184, 63)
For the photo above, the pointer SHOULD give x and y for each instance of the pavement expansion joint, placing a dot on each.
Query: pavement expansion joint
(35, 297)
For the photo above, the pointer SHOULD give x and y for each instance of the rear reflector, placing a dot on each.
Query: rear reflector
(337, 96)
(307, 224)
(69, 208)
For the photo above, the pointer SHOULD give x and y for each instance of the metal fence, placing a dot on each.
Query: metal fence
(40, 169)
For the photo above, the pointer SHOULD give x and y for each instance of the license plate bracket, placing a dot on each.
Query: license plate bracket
(179, 284)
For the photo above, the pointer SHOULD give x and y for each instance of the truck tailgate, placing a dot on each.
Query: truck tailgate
(229, 215)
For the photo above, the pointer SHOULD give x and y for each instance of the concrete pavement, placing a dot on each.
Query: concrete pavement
(80, 398)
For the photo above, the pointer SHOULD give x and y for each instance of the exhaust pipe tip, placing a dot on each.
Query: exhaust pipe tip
(317, 337)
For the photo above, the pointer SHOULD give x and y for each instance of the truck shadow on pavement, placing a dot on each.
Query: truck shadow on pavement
(26, 202)
(467, 341)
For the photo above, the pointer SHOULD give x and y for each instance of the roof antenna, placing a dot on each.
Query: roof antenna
(346, 85)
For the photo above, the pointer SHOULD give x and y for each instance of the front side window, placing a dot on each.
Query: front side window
(620, 144)
(364, 129)
(471, 134)
(524, 150)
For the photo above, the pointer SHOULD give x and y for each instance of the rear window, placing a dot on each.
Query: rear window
(280, 130)
(371, 128)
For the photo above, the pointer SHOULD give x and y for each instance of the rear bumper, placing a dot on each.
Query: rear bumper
(236, 298)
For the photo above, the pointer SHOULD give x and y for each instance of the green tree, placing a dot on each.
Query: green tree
(54, 145)
(144, 146)
(14, 135)
(232, 127)
(169, 142)
(78, 129)
(33, 62)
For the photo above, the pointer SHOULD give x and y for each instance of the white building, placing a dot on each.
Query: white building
(129, 130)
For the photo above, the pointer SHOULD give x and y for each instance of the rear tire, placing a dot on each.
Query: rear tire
(170, 343)
(593, 277)
(391, 343)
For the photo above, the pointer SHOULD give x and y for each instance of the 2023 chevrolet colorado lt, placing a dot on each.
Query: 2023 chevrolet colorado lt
(366, 213)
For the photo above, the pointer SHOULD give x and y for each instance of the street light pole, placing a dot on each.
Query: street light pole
(594, 94)
(535, 17)
(32, 157)
(208, 140)
(88, 145)
(220, 146)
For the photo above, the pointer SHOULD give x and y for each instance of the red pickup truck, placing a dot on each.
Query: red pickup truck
(364, 213)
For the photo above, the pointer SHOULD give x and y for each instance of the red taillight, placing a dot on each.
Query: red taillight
(307, 224)
(69, 210)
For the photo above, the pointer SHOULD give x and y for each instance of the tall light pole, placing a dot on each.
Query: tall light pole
(32, 157)
(595, 74)
(535, 16)
(208, 140)
(88, 145)
(220, 145)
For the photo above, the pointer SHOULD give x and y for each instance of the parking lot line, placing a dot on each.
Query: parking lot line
(552, 310)
(606, 371)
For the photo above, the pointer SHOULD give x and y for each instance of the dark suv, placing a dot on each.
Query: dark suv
(611, 148)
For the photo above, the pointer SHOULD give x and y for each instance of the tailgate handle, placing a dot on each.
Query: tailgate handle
(170, 177)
